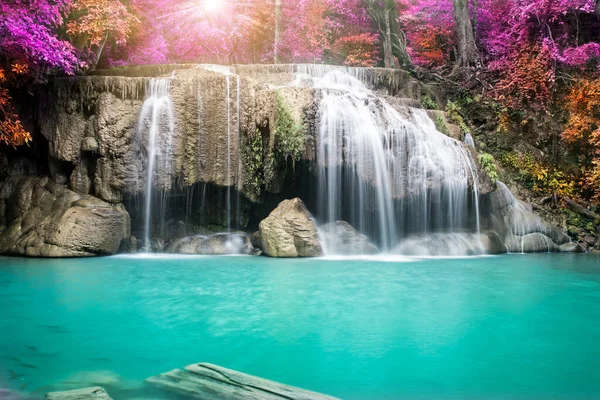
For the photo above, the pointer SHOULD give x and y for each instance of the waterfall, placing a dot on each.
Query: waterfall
(386, 169)
(469, 140)
(155, 128)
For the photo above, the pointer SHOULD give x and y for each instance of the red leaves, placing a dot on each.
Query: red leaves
(358, 50)
(527, 78)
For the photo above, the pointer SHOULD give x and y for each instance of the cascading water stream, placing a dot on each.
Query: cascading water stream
(469, 140)
(156, 127)
(386, 169)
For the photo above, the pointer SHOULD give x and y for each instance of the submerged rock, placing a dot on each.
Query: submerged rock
(45, 219)
(7, 394)
(341, 238)
(290, 231)
(234, 243)
(91, 393)
(208, 381)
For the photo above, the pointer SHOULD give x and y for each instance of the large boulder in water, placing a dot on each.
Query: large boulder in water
(341, 238)
(45, 219)
(290, 231)
(223, 243)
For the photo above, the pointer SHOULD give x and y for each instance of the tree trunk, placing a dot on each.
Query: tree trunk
(385, 15)
(277, 31)
(99, 53)
(467, 49)
(388, 55)
(398, 37)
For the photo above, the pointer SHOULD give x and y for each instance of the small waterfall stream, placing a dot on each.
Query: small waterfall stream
(469, 140)
(386, 169)
(156, 127)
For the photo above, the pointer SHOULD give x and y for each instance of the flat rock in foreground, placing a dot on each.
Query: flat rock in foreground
(208, 381)
(91, 393)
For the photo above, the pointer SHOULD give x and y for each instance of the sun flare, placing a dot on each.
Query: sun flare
(213, 5)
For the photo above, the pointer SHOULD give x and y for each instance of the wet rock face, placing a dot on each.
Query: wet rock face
(341, 238)
(290, 231)
(571, 248)
(531, 243)
(518, 226)
(235, 243)
(45, 219)
(95, 120)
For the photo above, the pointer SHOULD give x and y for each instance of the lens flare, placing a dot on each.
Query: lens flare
(213, 5)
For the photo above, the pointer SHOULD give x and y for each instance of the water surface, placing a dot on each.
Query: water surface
(518, 326)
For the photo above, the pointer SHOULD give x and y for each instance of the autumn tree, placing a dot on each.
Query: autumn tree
(12, 132)
(29, 50)
(431, 33)
(583, 129)
(92, 23)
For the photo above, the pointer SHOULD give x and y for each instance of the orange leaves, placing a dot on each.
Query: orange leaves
(358, 50)
(92, 21)
(12, 132)
(583, 104)
(431, 45)
(583, 128)
(20, 68)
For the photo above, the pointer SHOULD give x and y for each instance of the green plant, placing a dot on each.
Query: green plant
(537, 177)
(428, 102)
(453, 111)
(255, 168)
(489, 166)
(440, 124)
(290, 135)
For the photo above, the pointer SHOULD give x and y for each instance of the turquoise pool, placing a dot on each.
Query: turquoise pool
(518, 326)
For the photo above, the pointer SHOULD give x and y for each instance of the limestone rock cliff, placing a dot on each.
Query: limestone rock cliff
(42, 218)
